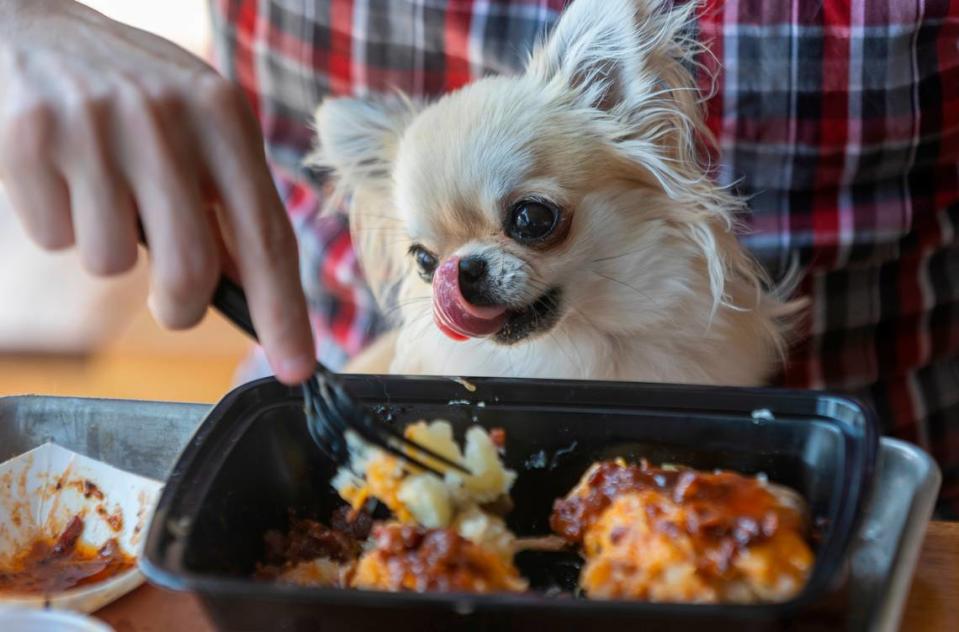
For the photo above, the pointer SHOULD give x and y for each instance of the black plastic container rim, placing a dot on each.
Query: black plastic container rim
(201, 460)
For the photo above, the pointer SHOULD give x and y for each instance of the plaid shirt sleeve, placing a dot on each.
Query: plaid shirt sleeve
(839, 119)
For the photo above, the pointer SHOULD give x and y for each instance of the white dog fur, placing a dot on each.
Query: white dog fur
(606, 123)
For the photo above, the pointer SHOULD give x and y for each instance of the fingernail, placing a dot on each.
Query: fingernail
(175, 316)
(295, 368)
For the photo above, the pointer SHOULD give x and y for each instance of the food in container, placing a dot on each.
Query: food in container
(670, 534)
(253, 461)
(677, 534)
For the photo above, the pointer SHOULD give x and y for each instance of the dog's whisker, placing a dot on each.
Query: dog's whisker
(392, 311)
(614, 257)
(509, 359)
(539, 287)
(569, 335)
(404, 304)
(396, 242)
(529, 267)
(424, 319)
(374, 230)
(373, 215)
(574, 347)
(529, 355)
(582, 315)
(559, 346)
(624, 284)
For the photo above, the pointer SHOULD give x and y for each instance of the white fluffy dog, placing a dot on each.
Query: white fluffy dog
(560, 223)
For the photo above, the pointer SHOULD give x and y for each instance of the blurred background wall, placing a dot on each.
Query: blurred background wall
(64, 332)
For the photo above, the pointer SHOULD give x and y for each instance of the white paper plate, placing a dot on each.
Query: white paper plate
(40, 493)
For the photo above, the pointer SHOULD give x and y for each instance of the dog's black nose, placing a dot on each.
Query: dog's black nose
(472, 269)
(473, 280)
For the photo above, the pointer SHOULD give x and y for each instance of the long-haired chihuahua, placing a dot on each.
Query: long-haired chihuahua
(560, 223)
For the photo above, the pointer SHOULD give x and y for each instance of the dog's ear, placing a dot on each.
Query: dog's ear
(358, 139)
(613, 54)
(630, 60)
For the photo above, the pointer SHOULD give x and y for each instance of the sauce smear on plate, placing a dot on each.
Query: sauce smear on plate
(50, 566)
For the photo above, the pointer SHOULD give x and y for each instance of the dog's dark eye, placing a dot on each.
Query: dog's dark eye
(531, 221)
(426, 262)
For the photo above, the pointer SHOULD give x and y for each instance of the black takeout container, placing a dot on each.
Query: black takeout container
(252, 460)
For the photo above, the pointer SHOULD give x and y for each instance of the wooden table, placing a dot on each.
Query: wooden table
(935, 587)
(935, 593)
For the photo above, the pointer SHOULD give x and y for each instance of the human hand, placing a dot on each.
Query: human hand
(100, 124)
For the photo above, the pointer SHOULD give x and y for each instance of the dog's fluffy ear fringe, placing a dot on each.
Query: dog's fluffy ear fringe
(620, 56)
(357, 140)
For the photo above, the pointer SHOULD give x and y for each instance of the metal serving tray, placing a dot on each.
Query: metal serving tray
(146, 437)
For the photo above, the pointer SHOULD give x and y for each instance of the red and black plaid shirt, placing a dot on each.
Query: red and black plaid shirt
(839, 119)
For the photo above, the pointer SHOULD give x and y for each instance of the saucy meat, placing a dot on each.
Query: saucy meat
(54, 565)
(313, 554)
(684, 535)
(408, 558)
(718, 504)
(308, 539)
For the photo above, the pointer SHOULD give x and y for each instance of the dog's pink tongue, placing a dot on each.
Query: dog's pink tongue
(454, 315)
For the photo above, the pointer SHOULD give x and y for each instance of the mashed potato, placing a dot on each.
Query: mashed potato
(442, 538)
(424, 499)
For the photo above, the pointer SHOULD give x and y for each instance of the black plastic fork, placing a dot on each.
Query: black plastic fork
(330, 412)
